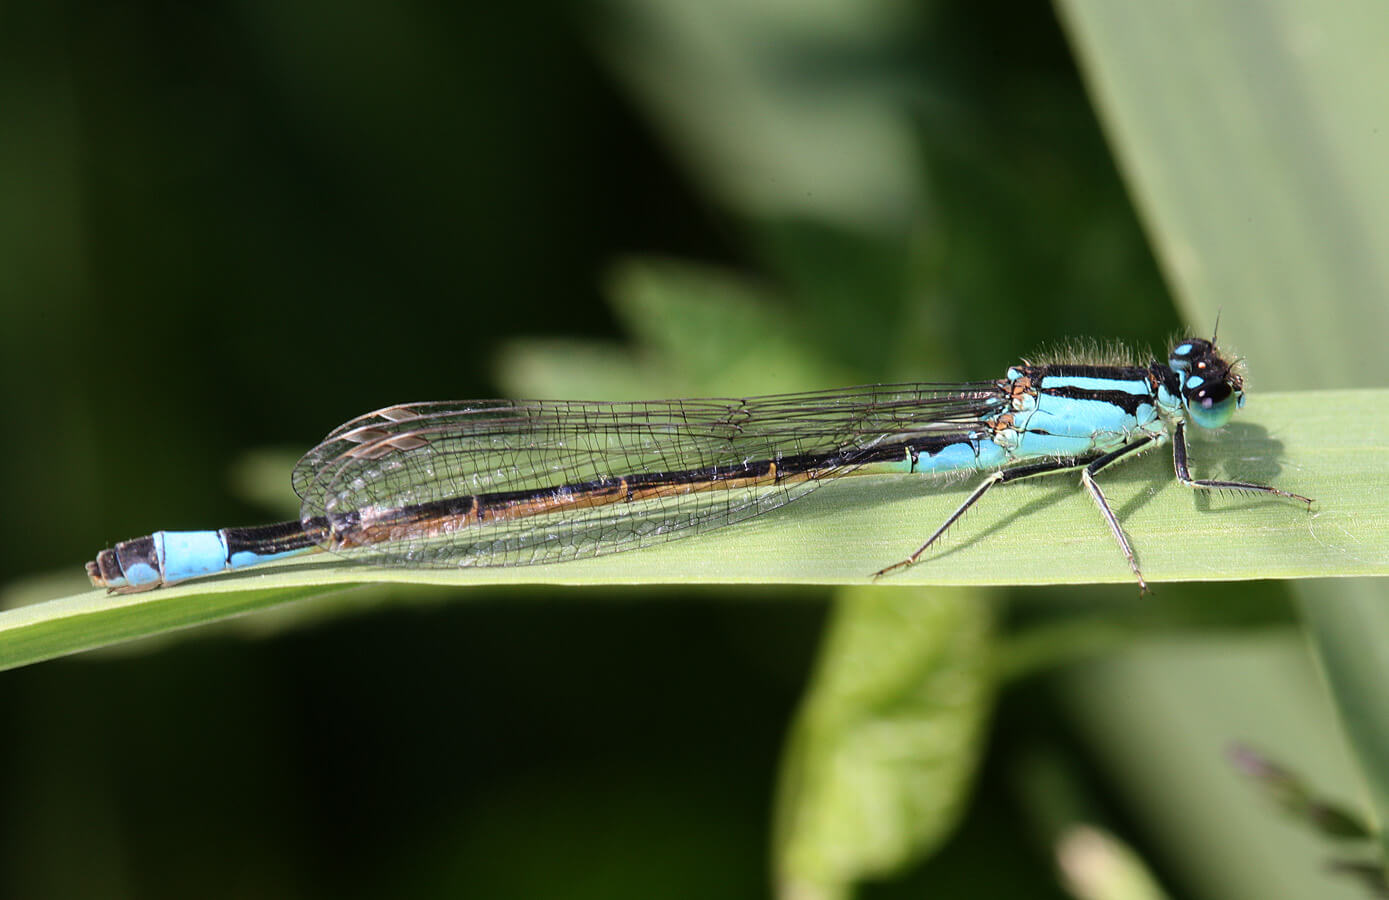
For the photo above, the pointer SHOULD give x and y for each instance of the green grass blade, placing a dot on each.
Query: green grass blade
(1328, 445)
(95, 619)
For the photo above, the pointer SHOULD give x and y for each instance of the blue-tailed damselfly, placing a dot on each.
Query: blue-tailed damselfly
(511, 483)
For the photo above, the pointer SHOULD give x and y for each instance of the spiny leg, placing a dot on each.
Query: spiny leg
(1087, 478)
(1184, 474)
(1001, 476)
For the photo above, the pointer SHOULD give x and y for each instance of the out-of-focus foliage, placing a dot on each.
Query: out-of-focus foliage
(232, 225)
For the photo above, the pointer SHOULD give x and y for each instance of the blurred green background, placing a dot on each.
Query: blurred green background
(228, 226)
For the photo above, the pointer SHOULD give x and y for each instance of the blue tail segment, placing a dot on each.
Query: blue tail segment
(166, 557)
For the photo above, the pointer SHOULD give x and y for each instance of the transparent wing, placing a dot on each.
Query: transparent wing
(425, 453)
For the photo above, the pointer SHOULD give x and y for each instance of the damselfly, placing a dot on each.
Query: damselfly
(513, 483)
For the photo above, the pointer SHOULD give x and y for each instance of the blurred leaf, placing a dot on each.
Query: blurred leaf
(1292, 792)
(1349, 628)
(1253, 138)
(718, 327)
(259, 478)
(1098, 866)
(1056, 794)
(780, 108)
(880, 759)
(582, 370)
(1156, 721)
(1258, 162)
(695, 327)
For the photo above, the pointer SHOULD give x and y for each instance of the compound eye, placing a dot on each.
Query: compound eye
(1211, 404)
(1190, 355)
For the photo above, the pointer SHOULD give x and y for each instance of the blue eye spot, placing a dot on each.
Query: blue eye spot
(1182, 350)
(1195, 381)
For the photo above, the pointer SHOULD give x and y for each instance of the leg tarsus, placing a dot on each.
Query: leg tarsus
(1179, 462)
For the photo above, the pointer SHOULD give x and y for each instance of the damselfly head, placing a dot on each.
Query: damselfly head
(1211, 388)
